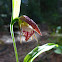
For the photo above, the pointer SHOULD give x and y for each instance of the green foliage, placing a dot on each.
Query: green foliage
(38, 50)
(5, 12)
(58, 50)
(59, 42)
(15, 13)
(41, 11)
(57, 39)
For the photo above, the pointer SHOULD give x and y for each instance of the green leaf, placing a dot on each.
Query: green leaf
(53, 44)
(58, 50)
(38, 50)
(15, 8)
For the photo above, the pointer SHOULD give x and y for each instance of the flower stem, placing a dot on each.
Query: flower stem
(14, 44)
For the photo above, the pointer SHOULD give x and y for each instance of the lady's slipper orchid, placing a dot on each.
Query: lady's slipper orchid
(28, 27)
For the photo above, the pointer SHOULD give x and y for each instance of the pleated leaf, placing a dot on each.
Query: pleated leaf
(38, 50)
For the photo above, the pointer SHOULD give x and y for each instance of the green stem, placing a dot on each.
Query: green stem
(14, 44)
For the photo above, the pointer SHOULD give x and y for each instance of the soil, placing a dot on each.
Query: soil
(7, 50)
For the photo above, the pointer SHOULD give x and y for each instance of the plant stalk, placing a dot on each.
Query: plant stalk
(14, 44)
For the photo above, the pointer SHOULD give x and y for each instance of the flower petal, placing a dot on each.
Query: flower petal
(28, 34)
(31, 23)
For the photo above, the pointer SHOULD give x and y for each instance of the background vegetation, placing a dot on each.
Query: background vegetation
(43, 12)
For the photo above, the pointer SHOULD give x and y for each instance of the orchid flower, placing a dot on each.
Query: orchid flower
(28, 27)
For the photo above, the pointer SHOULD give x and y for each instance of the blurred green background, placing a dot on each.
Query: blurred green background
(41, 11)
